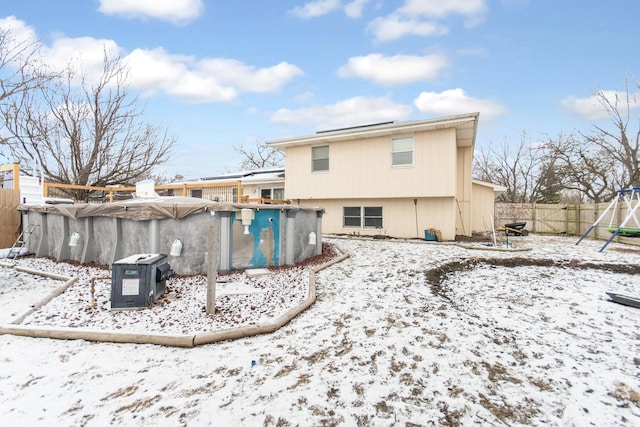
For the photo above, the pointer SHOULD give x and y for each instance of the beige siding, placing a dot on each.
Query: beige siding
(362, 169)
(360, 174)
(399, 216)
(483, 202)
(254, 191)
(464, 191)
(251, 190)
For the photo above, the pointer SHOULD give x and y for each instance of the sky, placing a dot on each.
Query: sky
(223, 74)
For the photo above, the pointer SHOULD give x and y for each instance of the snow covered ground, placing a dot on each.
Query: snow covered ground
(402, 333)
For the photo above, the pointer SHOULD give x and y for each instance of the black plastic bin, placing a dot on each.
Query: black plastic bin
(137, 281)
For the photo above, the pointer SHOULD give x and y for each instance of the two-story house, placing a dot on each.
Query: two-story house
(395, 179)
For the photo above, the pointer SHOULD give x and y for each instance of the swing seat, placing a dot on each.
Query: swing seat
(625, 231)
(631, 199)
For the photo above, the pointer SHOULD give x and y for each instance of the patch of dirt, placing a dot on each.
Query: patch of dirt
(436, 276)
(475, 237)
(329, 252)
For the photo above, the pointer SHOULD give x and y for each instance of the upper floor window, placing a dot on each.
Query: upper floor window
(402, 151)
(320, 158)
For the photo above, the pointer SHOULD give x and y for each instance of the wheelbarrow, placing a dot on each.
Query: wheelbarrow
(515, 229)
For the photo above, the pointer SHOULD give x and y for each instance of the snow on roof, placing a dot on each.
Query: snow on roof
(256, 175)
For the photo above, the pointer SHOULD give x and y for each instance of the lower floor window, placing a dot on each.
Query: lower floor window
(272, 193)
(362, 216)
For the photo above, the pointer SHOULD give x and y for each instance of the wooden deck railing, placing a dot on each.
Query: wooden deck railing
(229, 190)
(264, 200)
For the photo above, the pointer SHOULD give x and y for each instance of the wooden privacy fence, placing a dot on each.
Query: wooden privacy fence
(564, 219)
(9, 200)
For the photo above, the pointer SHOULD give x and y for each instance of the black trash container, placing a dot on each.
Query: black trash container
(137, 281)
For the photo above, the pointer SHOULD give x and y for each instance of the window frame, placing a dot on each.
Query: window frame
(372, 217)
(315, 159)
(271, 191)
(397, 151)
(363, 217)
(351, 216)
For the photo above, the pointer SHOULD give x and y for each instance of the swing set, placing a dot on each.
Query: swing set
(630, 226)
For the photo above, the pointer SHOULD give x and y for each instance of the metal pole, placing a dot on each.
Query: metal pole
(415, 204)
(212, 270)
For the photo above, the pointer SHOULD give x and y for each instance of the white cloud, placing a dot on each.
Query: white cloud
(592, 109)
(84, 54)
(398, 69)
(19, 32)
(423, 18)
(316, 8)
(196, 88)
(153, 71)
(455, 101)
(176, 11)
(354, 9)
(587, 107)
(440, 9)
(207, 80)
(20, 44)
(394, 27)
(350, 112)
(249, 78)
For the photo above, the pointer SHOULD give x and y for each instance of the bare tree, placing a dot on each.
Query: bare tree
(258, 157)
(620, 143)
(605, 160)
(86, 134)
(584, 168)
(20, 69)
(525, 170)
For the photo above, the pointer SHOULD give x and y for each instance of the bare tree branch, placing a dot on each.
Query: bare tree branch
(606, 159)
(89, 134)
(525, 170)
(616, 142)
(260, 156)
(20, 69)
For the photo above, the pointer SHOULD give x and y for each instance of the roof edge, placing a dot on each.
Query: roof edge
(497, 188)
(360, 131)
